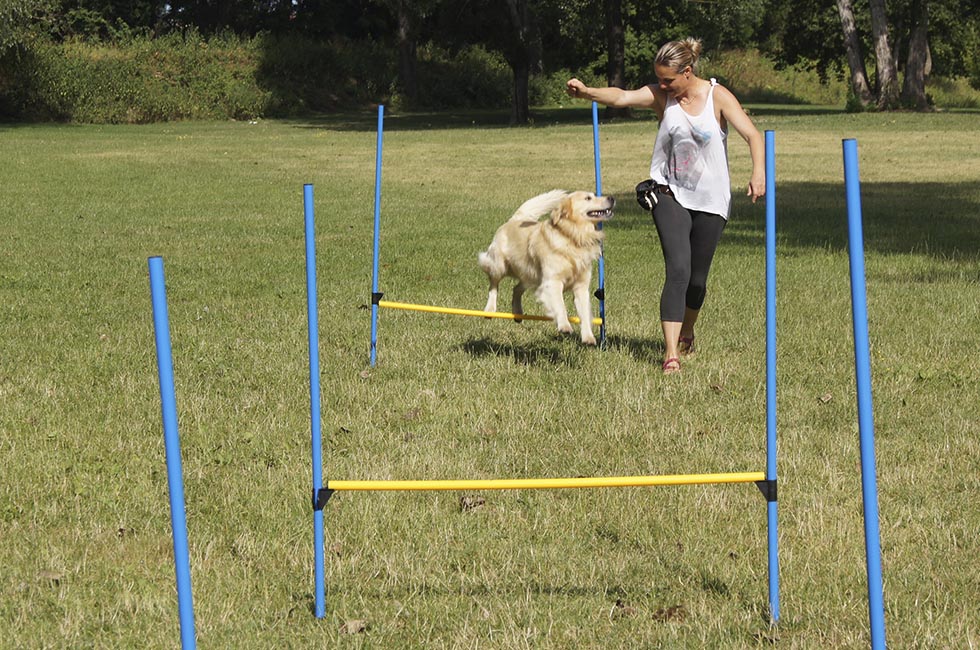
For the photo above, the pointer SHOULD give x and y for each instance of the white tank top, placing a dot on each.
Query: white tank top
(691, 156)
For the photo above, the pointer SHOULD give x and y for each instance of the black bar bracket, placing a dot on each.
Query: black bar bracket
(376, 297)
(320, 498)
(768, 489)
(600, 293)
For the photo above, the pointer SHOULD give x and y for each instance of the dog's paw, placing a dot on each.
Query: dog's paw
(588, 339)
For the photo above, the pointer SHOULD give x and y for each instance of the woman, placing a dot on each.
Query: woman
(690, 184)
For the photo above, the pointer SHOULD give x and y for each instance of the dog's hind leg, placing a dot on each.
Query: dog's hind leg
(583, 306)
(516, 304)
(488, 263)
(492, 297)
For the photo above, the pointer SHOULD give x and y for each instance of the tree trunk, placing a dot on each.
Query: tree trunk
(918, 63)
(520, 60)
(407, 58)
(855, 60)
(616, 52)
(520, 112)
(887, 75)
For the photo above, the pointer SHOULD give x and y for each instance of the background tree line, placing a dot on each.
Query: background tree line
(886, 51)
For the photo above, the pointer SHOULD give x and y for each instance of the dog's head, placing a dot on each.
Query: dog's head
(584, 207)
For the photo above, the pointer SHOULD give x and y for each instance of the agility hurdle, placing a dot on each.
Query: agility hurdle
(766, 481)
(377, 295)
(473, 312)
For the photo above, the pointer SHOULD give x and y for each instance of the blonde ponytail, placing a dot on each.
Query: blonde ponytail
(677, 55)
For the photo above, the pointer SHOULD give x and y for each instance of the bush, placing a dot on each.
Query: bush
(953, 93)
(134, 78)
(754, 79)
(180, 76)
(470, 78)
(304, 75)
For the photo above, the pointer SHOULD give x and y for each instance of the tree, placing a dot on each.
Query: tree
(407, 51)
(886, 74)
(408, 16)
(17, 18)
(520, 53)
(855, 58)
(615, 52)
(919, 62)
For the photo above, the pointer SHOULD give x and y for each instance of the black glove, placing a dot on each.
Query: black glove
(645, 195)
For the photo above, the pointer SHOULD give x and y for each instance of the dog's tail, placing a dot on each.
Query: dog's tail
(485, 261)
(541, 204)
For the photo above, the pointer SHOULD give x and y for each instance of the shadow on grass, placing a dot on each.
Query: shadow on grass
(938, 220)
(644, 350)
(579, 113)
(552, 351)
(563, 351)
(427, 121)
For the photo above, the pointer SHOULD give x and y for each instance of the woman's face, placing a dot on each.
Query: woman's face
(671, 81)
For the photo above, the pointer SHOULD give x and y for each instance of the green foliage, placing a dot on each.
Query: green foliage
(957, 54)
(180, 76)
(471, 77)
(641, 50)
(136, 78)
(18, 19)
(305, 74)
(549, 89)
(755, 79)
(854, 104)
(953, 93)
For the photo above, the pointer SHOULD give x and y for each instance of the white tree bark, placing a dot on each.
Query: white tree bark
(855, 59)
(887, 75)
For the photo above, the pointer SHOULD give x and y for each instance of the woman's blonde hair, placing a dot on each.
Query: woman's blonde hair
(677, 55)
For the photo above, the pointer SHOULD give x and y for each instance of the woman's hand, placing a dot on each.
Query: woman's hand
(575, 88)
(757, 187)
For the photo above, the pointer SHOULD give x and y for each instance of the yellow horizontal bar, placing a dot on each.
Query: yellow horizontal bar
(547, 483)
(472, 312)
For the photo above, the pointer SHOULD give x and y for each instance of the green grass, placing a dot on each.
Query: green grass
(87, 553)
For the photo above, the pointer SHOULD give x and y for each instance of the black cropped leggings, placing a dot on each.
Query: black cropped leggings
(688, 239)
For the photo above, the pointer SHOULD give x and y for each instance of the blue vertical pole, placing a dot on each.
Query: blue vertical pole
(377, 237)
(315, 434)
(862, 370)
(175, 474)
(601, 293)
(771, 505)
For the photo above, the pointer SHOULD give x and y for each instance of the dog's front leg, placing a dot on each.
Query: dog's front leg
(550, 293)
(583, 306)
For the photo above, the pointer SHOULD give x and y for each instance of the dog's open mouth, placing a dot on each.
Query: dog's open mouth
(600, 215)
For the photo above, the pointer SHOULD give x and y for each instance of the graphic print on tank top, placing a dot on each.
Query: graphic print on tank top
(684, 150)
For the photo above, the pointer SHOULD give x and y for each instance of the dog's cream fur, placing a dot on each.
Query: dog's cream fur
(552, 255)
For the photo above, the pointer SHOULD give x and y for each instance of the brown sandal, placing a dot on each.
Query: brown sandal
(671, 366)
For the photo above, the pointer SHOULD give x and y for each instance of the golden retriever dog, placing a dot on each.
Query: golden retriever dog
(552, 255)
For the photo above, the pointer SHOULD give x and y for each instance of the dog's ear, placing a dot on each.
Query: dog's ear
(563, 211)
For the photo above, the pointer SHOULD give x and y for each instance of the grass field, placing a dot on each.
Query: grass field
(87, 556)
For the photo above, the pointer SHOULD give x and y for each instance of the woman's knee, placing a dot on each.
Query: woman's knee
(695, 295)
(677, 270)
